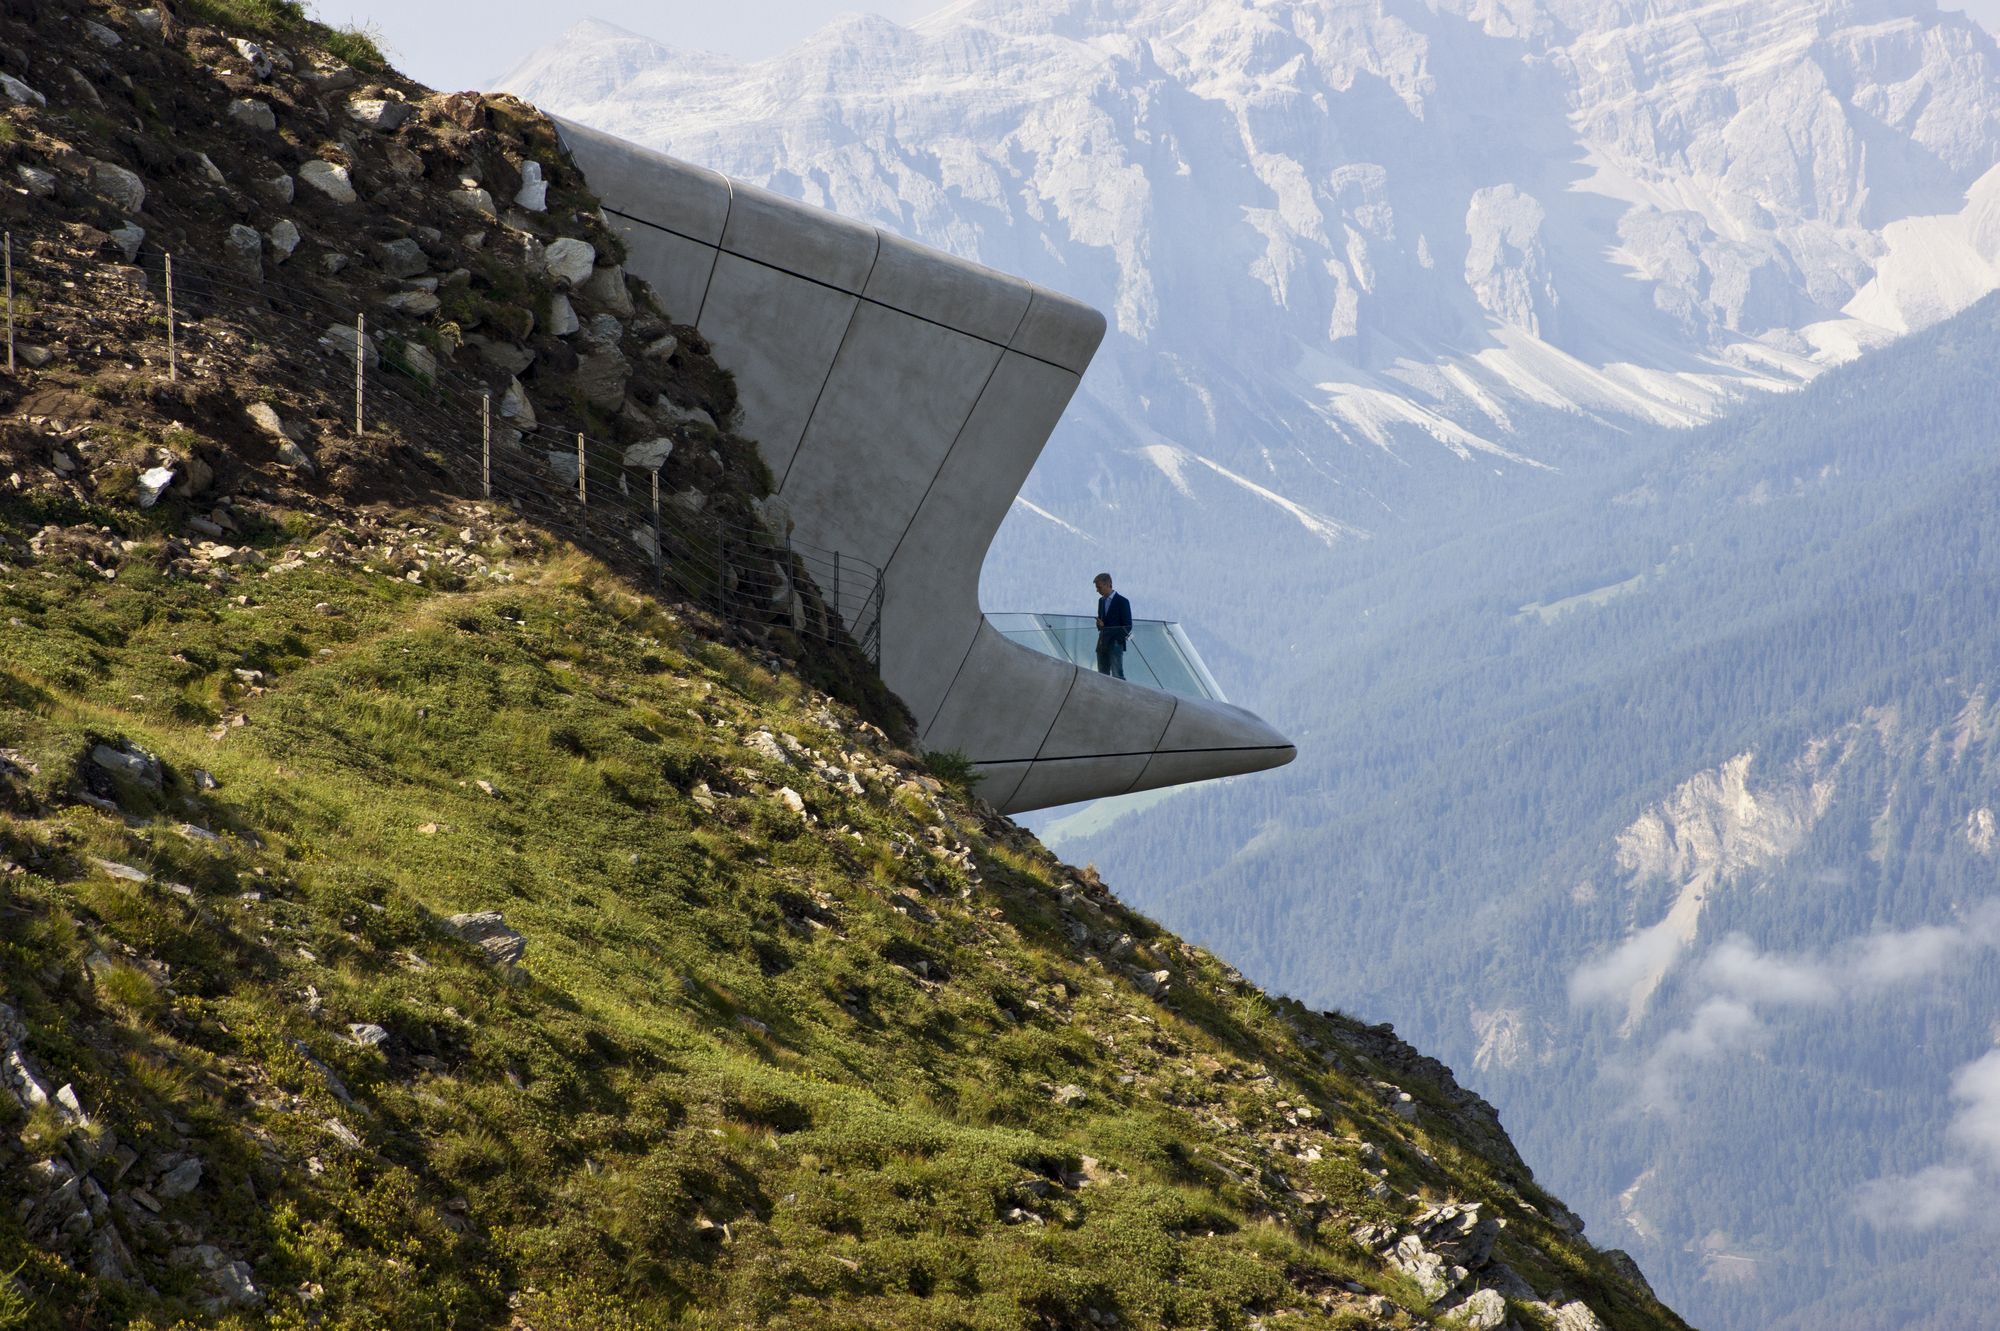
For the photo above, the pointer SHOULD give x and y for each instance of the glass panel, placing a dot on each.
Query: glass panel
(1158, 654)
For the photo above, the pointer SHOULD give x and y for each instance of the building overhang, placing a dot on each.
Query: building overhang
(900, 397)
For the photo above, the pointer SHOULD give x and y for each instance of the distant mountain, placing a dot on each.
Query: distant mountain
(1668, 811)
(1342, 243)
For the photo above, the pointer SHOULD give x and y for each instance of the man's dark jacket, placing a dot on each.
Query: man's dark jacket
(1116, 612)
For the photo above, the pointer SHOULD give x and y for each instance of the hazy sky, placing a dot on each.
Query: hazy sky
(468, 43)
(455, 44)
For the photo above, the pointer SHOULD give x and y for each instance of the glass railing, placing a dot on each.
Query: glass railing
(1157, 654)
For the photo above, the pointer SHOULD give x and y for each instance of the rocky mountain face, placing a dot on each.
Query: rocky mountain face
(409, 919)
(1342, 243)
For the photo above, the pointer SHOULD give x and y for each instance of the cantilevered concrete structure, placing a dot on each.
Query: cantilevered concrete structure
(900, 397)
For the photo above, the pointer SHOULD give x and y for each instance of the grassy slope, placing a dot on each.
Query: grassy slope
(754, 1069)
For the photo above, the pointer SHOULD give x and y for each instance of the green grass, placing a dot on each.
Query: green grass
(756, 1069)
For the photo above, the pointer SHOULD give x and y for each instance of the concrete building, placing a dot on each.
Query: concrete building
(900, 397)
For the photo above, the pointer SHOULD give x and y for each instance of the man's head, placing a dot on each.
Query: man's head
(1103, 581)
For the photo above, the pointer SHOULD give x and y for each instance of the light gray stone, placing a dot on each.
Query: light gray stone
(650, 455)
(367, 1034)
(606, 289)
(122, 187)
(252, 113)
(265, 417)
(562, 316)
(284, 238)
(209, 170)
(339, 340)
(36, 181)
(1483, 1310)
(570, 260)
(488, 931)
(20, 93)
(148, 21)
(153, 482)
(128, 761)
(129, 238)
(416, 304)
(279, 189)
(253, 56)
(179, 1181)
(402, 257)
(1577, 1316)
(329, 75)
(475, 199)
(102, 35)
(534, 192)
(384, 115)
(418, 361)
(514, 405)
(243, 247)
(602, 376)
(329, 179)
(662, 347)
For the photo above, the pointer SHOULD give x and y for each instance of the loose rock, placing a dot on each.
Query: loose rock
(329, 179)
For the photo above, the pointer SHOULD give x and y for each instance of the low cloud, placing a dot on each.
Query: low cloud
(1939, 1195)
(1611, 977)
(1734, 985)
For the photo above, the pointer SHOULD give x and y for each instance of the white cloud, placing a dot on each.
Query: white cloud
(1611, 977)
(1977, 1126)
(1736, 967)
(1719, 1026)
(1939, 1195)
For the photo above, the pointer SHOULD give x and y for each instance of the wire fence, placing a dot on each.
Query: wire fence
(366, 378)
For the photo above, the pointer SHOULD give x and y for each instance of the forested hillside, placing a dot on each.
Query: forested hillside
(1748, 673)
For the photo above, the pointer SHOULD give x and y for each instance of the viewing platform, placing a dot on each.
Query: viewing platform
(1158, 654)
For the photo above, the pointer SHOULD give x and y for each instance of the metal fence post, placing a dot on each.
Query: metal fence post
(582, 473)
(173, 345)
(658, 558)
(9, 247)
(360, 373)
(838, 614)
(486, 444)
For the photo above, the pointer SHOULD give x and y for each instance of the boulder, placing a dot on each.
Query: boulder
(1484, 1310)
(153, 483)
(284, 238)
(562, 316)
(122, 187)
(367, 1034)
(384, 115)
(534, 192)
(570, 260)
(339, 339)
(265, 417)
(329, 179)
(253, 114)
(474, 199)
(606, 289)
(126, 761)
(602, 376)
(243, 248)
(253, 56)
(128, 239)
(488, 931)
(36, 181)
(279, 189)
(329, 75)
(416, 304)
(515, 406)
(179, 1181)
(402, 258)
(20, 93)
(418, 361)
(650, 455)
(1577, 1316)
(662, 347)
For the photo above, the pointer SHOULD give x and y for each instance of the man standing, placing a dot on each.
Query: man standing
(1114, 626)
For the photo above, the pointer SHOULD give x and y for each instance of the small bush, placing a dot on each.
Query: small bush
(952, 767)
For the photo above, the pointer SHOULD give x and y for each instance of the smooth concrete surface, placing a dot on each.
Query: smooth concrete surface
(901, 396)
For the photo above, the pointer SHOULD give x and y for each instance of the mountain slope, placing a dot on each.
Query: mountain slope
(407, 919)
